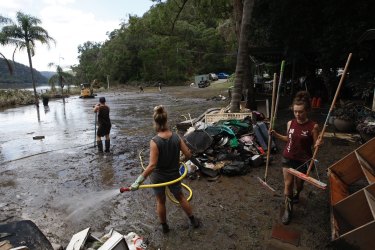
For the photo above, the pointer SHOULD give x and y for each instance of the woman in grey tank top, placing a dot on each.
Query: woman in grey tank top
(163, 166)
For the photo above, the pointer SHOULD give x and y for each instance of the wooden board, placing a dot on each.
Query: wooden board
(367, 151)
(338, 189)
(355, 209)
(362, 237)
(348, 169)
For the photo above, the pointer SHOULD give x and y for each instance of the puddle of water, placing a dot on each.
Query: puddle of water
(82, 206)
(63, 125)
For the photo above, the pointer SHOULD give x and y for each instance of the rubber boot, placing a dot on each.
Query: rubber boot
(100, 146)
(295, 198)
(165, 227)
(194, 221)
(107, 145)
(287, 216)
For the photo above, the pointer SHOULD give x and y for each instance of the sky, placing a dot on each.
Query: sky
(71, 23)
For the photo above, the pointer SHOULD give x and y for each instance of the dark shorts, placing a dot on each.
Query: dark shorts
(103, 130)
(174, 188)
(298, 165)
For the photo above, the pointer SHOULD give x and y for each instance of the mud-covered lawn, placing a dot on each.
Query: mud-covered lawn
(65, 191)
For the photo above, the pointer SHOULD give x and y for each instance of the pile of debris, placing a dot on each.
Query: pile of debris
(227, 143)
(26, 235)
(110, 241)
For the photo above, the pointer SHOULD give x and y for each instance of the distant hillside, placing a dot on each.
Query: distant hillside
(21, 74)
(47, 74)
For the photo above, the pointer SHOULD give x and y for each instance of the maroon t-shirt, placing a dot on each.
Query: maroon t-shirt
(300, 141)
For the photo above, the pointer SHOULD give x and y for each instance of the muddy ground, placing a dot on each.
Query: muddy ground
(64, 190)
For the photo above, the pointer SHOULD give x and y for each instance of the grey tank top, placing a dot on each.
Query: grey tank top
(167, 168)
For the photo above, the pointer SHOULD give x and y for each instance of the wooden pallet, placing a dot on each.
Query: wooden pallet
(212, 118)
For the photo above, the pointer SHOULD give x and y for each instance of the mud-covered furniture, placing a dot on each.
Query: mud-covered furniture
(352, 197)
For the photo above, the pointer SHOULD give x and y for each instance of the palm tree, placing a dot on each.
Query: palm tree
(242, 69)
(60, 77)
(24, 34)
(4, 41)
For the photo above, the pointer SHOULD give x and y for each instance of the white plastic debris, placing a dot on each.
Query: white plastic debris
(135, 242)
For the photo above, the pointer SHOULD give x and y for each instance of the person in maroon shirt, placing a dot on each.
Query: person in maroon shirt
(302, 135)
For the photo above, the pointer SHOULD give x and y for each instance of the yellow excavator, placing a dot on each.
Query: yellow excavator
(87, 91)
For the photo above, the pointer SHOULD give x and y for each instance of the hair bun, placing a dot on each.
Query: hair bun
(159, 109)
(302, 95)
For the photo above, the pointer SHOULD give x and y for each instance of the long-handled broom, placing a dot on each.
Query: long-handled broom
(306, 176)
(264, 181)
(273, 115)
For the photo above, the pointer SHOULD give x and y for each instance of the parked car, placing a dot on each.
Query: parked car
(213, 77)
(204, 83)
(222, 75)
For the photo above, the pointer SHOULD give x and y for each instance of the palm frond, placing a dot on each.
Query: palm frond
(10, 67)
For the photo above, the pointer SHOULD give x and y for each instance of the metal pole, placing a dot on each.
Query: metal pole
(107, 81)
(96, 117)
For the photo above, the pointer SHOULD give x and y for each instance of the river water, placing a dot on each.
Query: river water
(63, 123)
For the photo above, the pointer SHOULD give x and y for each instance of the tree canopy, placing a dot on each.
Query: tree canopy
(178, 39)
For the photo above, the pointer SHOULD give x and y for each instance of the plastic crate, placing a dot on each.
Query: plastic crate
(212, 118)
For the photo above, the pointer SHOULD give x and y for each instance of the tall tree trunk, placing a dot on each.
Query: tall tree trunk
(237, 14)
(242, 68)
(32, 73)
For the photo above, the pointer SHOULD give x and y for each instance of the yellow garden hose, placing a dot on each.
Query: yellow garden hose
(170, 196)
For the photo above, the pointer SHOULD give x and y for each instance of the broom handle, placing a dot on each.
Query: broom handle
(330, 111)
(271, 125)
(96, 117)
(278, 88)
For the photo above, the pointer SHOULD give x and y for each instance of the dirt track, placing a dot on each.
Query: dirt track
(65, 191)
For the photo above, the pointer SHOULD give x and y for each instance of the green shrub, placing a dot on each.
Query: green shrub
(11, 97)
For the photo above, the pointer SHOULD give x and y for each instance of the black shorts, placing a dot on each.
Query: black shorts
(103, 130)
(174, 188)
(298, 165)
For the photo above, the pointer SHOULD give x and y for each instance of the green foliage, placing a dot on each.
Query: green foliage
(61, 78)
(171, 43)
(367, 126)
(15, 97)
(178, 39)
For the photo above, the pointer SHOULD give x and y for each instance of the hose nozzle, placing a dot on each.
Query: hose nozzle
(124, 189)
